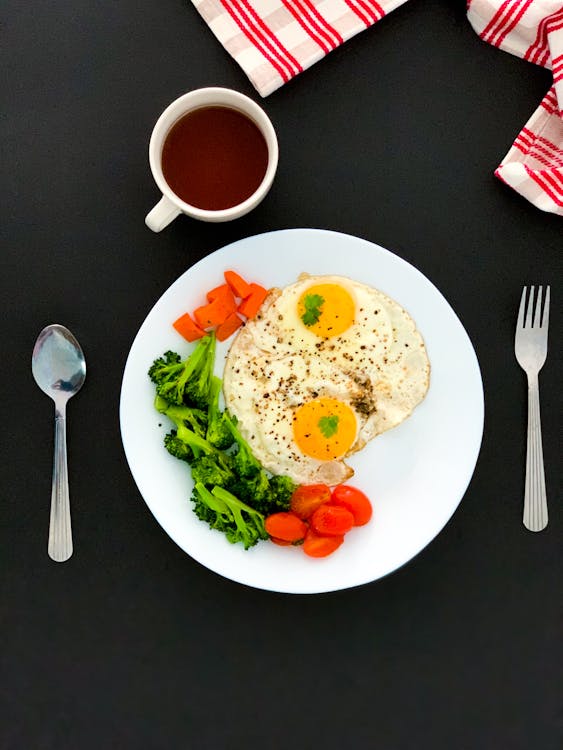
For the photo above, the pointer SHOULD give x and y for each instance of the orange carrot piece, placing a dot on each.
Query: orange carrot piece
(223, 293)
(250, 306)
(238, 285)
(187, 328)
(228, 327)
(212, 314)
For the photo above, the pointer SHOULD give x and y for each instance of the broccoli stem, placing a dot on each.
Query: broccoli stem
(246, 461)
(216, 503)
(178, 415)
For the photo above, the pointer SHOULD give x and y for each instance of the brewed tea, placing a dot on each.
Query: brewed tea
(214, 158)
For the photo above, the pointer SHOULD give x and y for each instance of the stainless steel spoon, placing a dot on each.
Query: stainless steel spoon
(59, 369)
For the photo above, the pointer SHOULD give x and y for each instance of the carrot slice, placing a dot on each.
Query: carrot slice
(213, 314)
(187, 328)
(224, 293)
(238, 285)
(250, 306)
(228, 327)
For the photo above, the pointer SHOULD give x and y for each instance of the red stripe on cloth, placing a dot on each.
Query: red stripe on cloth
(539, 50)
(554, 22)
(270, 34)
(549, 102)
(257, 41)
(524, 136)
(309, 28)
(362, 12)
(520, 147)
(267, 36)
(327, 27)
(549, 106)
(557, 175)
(540, 158)
(548, 175)
(554, 161)
(554, 148)
(314, 24)
(535, 175)
(540, 149)
(377, 10)
(500, 18)
(543, 59)
(499, 39)
(540, 42)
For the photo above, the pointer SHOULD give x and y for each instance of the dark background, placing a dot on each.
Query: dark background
(131, 644)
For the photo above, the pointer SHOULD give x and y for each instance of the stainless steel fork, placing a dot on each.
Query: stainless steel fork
(530, 346)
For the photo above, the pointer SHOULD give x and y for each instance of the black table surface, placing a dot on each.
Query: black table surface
(132, 644)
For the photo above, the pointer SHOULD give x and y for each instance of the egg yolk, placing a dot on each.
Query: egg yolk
(324, 428)
(326, 309)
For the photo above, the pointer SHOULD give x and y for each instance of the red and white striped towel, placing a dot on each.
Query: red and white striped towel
(532, 29)
(275, 40)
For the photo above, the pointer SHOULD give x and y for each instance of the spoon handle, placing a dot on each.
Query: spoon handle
(60, 533)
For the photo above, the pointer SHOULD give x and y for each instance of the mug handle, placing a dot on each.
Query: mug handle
(161, 215)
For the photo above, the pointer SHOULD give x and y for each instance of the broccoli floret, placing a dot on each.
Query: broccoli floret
(177, 448)
(218, 431)
(212, 470)
(252, 484)
(281, 489)
(186, 382)
(225, 512)
(166, 367)
(183, 442)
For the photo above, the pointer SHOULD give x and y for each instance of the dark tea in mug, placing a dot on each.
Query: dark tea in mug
(214, 157)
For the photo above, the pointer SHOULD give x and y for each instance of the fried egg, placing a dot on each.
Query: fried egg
(327, 364)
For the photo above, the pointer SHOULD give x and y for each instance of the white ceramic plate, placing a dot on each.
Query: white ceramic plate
(415, 474)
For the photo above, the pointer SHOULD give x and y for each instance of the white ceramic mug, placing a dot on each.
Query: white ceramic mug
(170, 205)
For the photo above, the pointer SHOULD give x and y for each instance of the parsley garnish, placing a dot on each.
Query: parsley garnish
(328, 425)
(313, 310)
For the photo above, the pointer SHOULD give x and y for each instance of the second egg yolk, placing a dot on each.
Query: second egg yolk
(324, 428)
(326, 309)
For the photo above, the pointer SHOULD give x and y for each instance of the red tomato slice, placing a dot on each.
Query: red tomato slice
(320, 546)
(332, 520)
(286, 527)
(354, 501)
(308, 497)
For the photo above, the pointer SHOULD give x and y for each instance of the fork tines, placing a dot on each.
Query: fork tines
(537, 320)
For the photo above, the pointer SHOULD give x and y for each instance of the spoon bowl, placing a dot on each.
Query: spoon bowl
(59, 368)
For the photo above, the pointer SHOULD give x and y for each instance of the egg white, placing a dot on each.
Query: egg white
(378, 367)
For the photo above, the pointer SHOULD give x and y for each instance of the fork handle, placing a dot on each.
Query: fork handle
(535, 500)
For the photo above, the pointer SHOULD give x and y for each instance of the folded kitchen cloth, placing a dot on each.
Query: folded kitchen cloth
(275, 40)
(532, 29)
